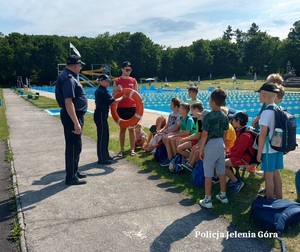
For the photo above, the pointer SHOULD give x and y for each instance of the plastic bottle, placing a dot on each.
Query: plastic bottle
(297, 181)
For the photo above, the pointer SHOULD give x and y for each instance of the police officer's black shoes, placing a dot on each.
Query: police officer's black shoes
(81, 175)
(105, 161)
(75, 181)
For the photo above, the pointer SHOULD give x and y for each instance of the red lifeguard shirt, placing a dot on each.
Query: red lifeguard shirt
(126, 83)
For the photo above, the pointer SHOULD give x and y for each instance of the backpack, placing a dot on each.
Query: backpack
(174, 164)
(284, 136)
(197, 175)
(161, 153)
(275, 215)
(255, 135)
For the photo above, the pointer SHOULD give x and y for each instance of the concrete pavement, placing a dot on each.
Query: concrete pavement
(121, 208)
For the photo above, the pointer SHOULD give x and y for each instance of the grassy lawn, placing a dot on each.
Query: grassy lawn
(3, 122)
(238, 209)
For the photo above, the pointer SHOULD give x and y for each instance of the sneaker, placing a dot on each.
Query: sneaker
(215, 180)
(132, 153)
(251, 168)
(205, 203)
(260, 173)
(179, 169)
(165, 163)
(187, 166)
(262, 191)
(120, 154)
(237, 186)
(224, 199)
(153, 152)
(229, 182)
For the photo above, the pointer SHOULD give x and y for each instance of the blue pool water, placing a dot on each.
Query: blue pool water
(57, 111)
(159, 100)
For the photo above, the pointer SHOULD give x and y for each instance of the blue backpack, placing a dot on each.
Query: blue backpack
(285, 130)
(197, 175)
(161, 153)
(275, 215)
(174, 164)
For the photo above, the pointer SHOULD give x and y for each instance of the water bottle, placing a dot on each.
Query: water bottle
(297, 181)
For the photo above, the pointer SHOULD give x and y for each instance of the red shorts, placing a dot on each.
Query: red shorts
(237, 162)
(194, 142)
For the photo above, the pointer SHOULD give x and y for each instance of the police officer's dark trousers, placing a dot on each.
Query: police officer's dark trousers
(73, 143)
(100, 118)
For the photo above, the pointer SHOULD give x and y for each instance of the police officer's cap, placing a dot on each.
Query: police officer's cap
(126, 64)
(74, 59)
(103, 77)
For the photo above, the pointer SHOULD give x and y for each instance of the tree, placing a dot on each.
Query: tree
(226, 57)
(228, 34)
(259, 53)
(254, 29)
(203, 58)
(239, 37)
(294, 33)
(182, 63)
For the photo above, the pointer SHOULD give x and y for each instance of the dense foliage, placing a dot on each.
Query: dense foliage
(237, 52)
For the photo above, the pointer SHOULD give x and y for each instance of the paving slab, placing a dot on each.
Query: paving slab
(121, 208)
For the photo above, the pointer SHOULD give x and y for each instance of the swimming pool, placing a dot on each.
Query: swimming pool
(248, 101)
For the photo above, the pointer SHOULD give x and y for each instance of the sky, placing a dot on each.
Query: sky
(169, 23)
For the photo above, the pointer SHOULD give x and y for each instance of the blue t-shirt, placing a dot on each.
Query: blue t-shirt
(68, 86)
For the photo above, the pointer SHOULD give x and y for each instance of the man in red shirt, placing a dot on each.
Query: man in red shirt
(127, 107)
(241, 152)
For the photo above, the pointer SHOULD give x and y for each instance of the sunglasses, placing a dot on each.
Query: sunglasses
(128, 70)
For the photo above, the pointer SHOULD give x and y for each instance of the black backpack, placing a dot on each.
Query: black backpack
(284, 136)
(255, 135)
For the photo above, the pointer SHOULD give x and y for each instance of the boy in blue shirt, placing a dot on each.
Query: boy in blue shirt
(212, 148)
(271, 160)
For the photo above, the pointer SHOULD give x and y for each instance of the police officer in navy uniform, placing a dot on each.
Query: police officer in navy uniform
(103, 100)
(73, 102)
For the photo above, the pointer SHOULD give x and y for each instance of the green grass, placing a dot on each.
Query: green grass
(3, 122)
(236, 212)
(42, 102)
(4, 135)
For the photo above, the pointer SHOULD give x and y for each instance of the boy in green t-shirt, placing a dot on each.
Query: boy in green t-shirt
(212, 148)
(192, 93)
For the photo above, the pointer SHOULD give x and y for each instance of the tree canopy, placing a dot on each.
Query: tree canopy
(242, 53)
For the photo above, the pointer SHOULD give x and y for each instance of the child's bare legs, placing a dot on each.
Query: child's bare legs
(143, 140)
(269, 183)
(174, 141)
(229, 172)
(222, 183)
(167, 143)
(196, 156)
(181, 149)
(208, 185)
(277, 184)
